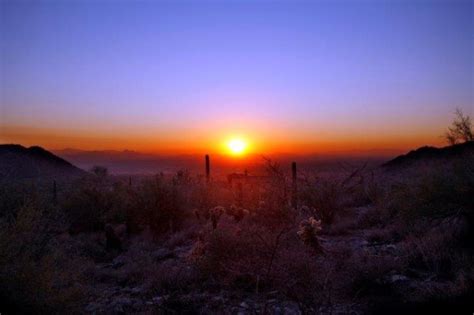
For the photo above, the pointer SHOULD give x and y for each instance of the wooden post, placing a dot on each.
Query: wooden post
(208, 168)
(294, 197)
(54, 192)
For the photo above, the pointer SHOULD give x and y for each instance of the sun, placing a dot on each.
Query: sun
(237, 146)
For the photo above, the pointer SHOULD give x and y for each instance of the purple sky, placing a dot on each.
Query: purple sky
(114, 74)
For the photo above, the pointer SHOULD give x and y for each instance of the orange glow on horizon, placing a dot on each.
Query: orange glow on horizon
(236, 145)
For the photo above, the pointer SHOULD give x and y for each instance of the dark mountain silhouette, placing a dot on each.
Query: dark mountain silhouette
(432, 154)
(19, 162)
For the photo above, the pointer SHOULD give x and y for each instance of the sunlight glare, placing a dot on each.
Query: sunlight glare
(237, 146)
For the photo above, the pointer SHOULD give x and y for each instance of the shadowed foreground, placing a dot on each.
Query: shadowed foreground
(363, 240)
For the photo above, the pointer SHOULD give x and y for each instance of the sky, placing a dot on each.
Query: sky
(186, 76)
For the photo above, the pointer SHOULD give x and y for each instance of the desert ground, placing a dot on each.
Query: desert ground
(365, 238)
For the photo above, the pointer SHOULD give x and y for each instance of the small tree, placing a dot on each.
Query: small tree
(460, 130)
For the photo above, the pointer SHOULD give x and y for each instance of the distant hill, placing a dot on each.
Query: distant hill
(19, 162)
(132, 162)
(432, 154)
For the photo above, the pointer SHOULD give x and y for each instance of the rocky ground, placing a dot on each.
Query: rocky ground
(116, 293)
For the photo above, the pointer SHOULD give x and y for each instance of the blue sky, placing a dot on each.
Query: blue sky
(189, 70)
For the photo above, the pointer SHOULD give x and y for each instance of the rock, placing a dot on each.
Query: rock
(118, 262)
(92, 307)
(119, 303)
(136, 290)
(122, 300)
(244, 305)
(137, 305)
(162, 254)
(126, 290)
(218, 298)
(390, 247)
(419, 274)
(272, 293)
(183, 251)
(291, 309)
(110, 292)
(118, 308)
(398, 278)
(157, 300)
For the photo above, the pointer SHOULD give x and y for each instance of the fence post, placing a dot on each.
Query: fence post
(208, 168)
(294, 197)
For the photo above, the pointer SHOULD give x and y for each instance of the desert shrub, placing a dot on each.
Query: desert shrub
(324, 196)
(373, 216)
(90, 203)
(90, 246)
(387, 234)
(203, 196)
(159, 203)
(228, 258)
(36, 273)
(170, 277)
(341, 226)
(271, 207)
(437, 194)
(156, 202)
(436, 247)
(179, 304)
(366, 272)
(375, 190)
(273, 214)
(252, 258)
(239, 256)
(186, 235)
(303, 278)
(13, 196)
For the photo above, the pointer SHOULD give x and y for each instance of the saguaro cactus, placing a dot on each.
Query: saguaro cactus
(294, 190)
(208, 168)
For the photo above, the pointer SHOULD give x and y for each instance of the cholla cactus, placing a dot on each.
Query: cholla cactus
(308, 233)
(199, 249)
(237, 213)
(215, 214)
